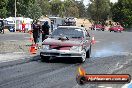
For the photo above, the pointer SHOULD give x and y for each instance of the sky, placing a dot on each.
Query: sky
(87, 1)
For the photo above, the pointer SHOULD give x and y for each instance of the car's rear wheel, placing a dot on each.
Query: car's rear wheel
(88, 53)
(83, 57)
(44, 58)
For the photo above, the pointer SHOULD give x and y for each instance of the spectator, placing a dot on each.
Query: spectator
(52, 26)
(45, 30)
(23, 27)
(36, 31)
(82, 25)
(1, 26)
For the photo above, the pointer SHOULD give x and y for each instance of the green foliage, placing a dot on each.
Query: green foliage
(3, 11)
(34, 11)
(10, 8)
(70, 8)
(26, 8)
(56, 7)
(122, 12)
(65, 8)
(37, 8)
(81, 9)
(99, 10)
(45, 6)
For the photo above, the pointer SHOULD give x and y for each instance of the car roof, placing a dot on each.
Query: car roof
(71, 27)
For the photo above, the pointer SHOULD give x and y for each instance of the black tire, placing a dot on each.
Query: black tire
(81, 80)
(110, 30)
(44, 58)
(88, 53)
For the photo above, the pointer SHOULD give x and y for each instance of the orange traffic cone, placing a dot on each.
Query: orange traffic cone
(93, 40)
(30, 32)
(33, 50)
(35, 45)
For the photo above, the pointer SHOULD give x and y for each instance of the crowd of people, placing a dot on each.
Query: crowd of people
(38, 29)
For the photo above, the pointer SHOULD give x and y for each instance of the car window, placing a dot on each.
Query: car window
(68, 32)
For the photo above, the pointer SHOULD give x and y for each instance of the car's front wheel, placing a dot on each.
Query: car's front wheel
(83, 57)
(44, 58)
(88, 53)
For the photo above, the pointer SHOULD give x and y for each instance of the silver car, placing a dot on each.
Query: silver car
(67, 41)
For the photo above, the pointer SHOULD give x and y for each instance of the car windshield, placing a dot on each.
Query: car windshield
(68, 32)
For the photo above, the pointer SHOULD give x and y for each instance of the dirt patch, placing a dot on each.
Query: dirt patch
(84, 22)
(14, 46)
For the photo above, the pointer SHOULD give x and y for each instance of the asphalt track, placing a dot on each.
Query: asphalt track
(111, 53)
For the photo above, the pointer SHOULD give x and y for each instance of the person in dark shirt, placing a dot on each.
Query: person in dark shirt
(1, 26)
(36, 31)
(45, 30)
(52, 26)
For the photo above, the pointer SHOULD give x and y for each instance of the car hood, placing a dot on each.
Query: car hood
(56, 42)
(62, 44)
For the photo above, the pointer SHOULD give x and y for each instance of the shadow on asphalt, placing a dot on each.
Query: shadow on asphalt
(19, 61)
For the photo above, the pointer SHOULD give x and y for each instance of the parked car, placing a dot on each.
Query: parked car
(56, 21)
(67, 41)
(70, 21)
(97, 27)
(9, 23)
(116, 28)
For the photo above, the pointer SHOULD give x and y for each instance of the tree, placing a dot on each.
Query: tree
(34, 11)
(99, 10)
(45, 6)
(56, 7)
(71, 8)
(65, 8)
(81, 8)
(36, 8)
(3, 11)
(26, 8)
(10, 8)
(122, 12)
